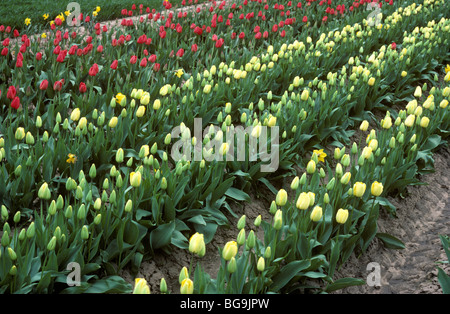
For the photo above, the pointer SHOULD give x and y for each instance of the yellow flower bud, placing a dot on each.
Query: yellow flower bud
(197, 244)
(359, 188)
(44, 192)
(135, 179)
(424, 122)
(140, 112)
(187, 286)
(75, 115)
(376, 188)
(303, 201)
(409, 122)
(311, 167)
(371, 81)
(20, 134)
(261, 264)
(141, 286)
(113, 122)
(230, 250)
(316, 214)
(281, 198)
(364, 125)
(341, 216)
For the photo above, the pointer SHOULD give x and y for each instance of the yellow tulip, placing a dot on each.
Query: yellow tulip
(281, 198)
(359, 188)
(135, 179)
(141, 286)
(303, 201)
(230, 250)
(376, 188)
(316, 214)
(75, 115)
(341, 216)
(187, 286)
(197, 244)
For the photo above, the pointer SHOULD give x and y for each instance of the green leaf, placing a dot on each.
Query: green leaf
(238, 195)
(390, 241)
(287, 273)
(344, 283)
(444, 281)
(162, 235)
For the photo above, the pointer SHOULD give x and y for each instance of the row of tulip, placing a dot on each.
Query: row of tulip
(325, 215)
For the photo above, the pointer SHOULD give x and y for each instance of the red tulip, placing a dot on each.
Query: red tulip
(133, 59)
(156, 67)
(57, 86)
(15, 103)
(194, 48)
(43, 85)
(114, 64)
(38, 56)
(143, 62)
(4, 51)
(305, 19)
(11, 94)
(198, 30)
(180, 52)
(93, 70)
(99, 48)
(393, 46)
(242, 35)
(82, 88)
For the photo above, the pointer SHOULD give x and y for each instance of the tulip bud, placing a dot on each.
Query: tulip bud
(240, 240)
(281, 197)
(278, 220)
(20, 134)
(232, 265)
(376, 188)
(183, 274)
(346, 178)
(316, 213)
(230, 250)
(359, 189)
(135, 179)
(261, 264)
(51, 244)
(98, 219)
(341, 216)
(119, 155)
(84, 233)
(251, 241)
(187, 286)
(163, 286)
(44, 192)
(141, 286)
(129, 206)
(311, 167)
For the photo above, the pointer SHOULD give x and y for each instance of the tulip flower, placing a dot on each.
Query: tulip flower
(376, 188)
(341, 216)
(82, 88)
(141, 286)
(281, 197)
(135, 179)
(359, 188)
(197, 244)
(316, 214)
(303, 201)
(43, 85)
(187, 286)
(230, 250)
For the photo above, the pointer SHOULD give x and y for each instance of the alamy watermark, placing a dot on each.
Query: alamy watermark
(375, 17)
(214, 144)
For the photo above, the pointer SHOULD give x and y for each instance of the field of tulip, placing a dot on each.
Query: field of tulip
(117, 140)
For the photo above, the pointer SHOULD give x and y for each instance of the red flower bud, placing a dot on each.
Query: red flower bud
(82, 88)
(43, 85)
(15, 103)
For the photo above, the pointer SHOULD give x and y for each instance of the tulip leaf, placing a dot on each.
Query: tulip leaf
(390, 241)
(344, 283)
(287, 273)
(238, 195)
(162, 235)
